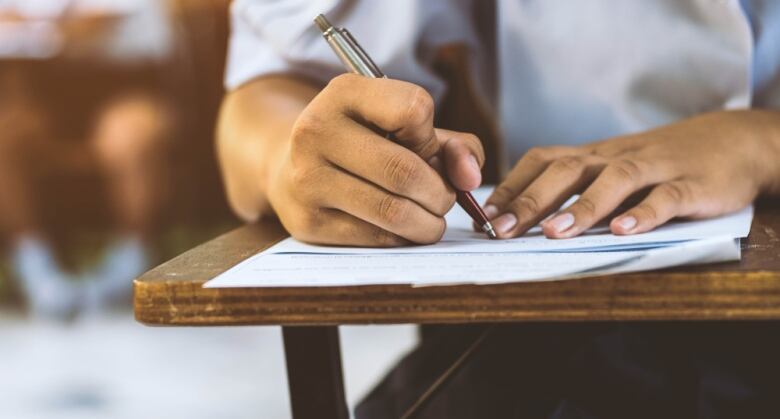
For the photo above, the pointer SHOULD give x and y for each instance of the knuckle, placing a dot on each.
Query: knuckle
(401, 172)
(586, 206)
(502, 193)
(568, 164)
(392, 210)
(305, 182)
(526, 204)
(421, 107)
(302, 176)
(648, 211)
(299, 177)
(673, 192)
(341, 82)
(536, 154)
(471, 138)
(626, 170)
(307, 127)
(427, 147)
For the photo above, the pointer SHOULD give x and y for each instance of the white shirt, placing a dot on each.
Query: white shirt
(554, 72)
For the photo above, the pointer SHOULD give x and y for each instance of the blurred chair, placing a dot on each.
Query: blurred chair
(80, 125)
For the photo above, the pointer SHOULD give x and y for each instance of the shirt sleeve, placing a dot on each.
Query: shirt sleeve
(764, 17)
(402, 36)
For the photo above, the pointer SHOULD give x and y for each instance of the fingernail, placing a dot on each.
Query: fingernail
(490, 211)
(626, 223)
(474, 163)
(505, 223)
(561, 222)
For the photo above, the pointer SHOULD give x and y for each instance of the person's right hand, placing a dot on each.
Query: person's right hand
(340, 181)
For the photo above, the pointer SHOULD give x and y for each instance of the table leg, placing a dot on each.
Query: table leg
(314, 372)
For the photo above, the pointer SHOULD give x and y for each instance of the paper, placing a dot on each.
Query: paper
(460, 238)
(311, 270)
(467, 257)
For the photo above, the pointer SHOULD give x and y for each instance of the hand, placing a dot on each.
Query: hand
(339, 181)
(701, 167)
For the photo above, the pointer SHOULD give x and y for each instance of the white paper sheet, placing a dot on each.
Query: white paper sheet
(467, 257)
(312, 270)
(460, 238)
(284, 270)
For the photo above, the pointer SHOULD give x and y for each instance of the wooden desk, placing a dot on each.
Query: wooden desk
(172, 295)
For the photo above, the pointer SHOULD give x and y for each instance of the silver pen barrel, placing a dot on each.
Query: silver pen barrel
(347, 49)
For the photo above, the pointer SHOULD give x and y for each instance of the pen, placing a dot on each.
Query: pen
(357, 61)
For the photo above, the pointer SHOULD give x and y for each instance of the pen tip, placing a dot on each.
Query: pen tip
(488, 228)
(322, 22)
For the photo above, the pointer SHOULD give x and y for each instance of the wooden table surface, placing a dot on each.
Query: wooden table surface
(172, 293)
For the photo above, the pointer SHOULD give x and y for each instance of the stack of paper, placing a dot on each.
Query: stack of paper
(464, 256)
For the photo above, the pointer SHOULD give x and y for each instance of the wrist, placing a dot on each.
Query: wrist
(271, 174)
(766, 133)
(246, 164)
(253, 138)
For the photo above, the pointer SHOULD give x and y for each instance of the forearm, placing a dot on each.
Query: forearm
(252, 136)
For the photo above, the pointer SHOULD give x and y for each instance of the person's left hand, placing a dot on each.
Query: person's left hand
(697, 168)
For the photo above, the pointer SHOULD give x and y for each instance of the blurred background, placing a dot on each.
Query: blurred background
(107, 168)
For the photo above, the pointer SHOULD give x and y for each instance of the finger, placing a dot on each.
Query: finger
(530, 166)
(617, 181)
(397, 107)
(438, 166)
(664, 202)
(365, 154)
(335, 227)
(559, 181)
(463, 158)
(387, 211)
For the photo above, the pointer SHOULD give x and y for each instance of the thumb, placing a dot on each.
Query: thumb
(463, 158)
